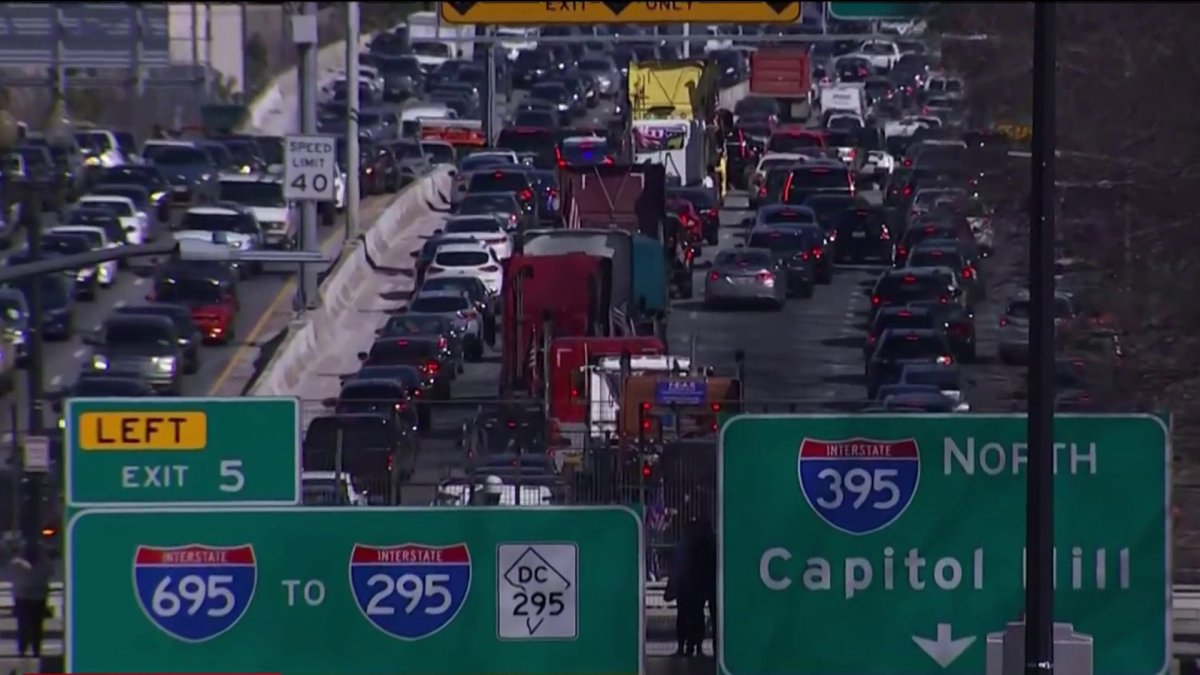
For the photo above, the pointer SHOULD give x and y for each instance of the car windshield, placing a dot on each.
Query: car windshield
(912, 286)
(370, 391)
(550, 91)
(477, 162)
(438, 49)
(218, 222)
(415, 325)
(188, 291)
(115, 207)
(935, 258)
(142, 175)
(796, 239)
(793, 142)
(819, 177)
(439, 305)
(788, 216)
(530, 118)
(253, 193)
(469, 285)
(498, 181)
(877, 48)
(472, 226)
(137, 333)
(176, 155)
(93, 141)
(399, 352)
(405, 375)
(136, 195)
(942, 378)
(903, 319)
(911, 345)
(742, 259)
(461, 258)
(580, 151)
(65, 243)
(485, 204)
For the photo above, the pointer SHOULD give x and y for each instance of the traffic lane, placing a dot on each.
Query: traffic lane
(806, 356)
(598, 116)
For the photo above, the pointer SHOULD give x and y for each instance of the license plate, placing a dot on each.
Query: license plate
(858, 235)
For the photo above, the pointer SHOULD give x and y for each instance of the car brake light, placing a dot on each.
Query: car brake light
(875, 300)
(762, 190)
(714, 276)
(943, 300)
(909, 279)
(432, 367)
(526, 194)
(901, 251)
(498, 174)
(904, 313)
(715, 213)
(764, 277)
(884, 235)
(608, 160)
(441, 342)
(402, 343)
(389, 463)
(907, 163)
(561, 162)
(817, 251)
(511, 424)
(945, 360)
(1003, 321)
(968, 272)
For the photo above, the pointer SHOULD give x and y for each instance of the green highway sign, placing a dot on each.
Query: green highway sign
(895, 543)
(875, 11)
(179, 451)
(382, 590)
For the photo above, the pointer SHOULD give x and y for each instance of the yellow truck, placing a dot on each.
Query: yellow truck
(671, 103)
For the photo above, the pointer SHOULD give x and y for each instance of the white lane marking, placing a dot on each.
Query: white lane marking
(56, 381)
(119, 304)
(79, 353)
(138, 281)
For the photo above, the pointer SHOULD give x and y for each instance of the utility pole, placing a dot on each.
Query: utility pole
(1039, 514)
(353, 169)
(304, 34)
(493, 104)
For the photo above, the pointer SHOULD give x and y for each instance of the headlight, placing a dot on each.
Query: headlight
(85, 273)
(562, 106)
(205, 176)
(236, 244)
(157, 196)
(100, 362)
(244, 169)
(92, 161)
(17, 337)
(165, 364)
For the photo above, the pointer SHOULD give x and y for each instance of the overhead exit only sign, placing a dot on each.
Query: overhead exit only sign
(591, 13)
(896, 542)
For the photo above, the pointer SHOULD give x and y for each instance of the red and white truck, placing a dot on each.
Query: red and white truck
(783, 73)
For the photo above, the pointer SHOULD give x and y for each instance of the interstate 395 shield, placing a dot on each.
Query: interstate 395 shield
(410, 591)
(859, 485)
(196, 592)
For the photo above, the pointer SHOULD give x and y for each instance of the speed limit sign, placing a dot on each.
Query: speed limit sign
(537, 591)
(310, 168)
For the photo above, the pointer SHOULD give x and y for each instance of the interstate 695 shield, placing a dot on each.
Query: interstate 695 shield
(196, 592)
(859, 485)
(410, 591)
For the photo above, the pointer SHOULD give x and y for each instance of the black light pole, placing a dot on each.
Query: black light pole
(1039, 516)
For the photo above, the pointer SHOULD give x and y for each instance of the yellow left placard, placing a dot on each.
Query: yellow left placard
(148, 431)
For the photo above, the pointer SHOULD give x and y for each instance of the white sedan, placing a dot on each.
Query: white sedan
(106, 272)
(489, 230)
(468, 260)
(882, 54)
(135, 223)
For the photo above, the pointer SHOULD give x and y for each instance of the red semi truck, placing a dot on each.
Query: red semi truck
(785, 74)
(614, 196)
(546, 297)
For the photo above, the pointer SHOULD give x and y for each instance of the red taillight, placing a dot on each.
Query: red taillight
(511, 424)
(762, 190)
(646, 470)
(871, 339)
(441, 343)
(764, 277)
(817, 251)
(959, 329)
(909, 279)
(713, 276)
(904, 313)
(645, 425)
(884, 235)
(875, 300)
(432, 367)
(968, 272)
(943, 300)
(389, 463)
(714, 213)
(561, 162)
(608, 160)
(1003, 321)
(907, 163)
(526, 194)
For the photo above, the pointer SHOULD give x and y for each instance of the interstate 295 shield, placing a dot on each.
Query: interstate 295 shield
(410, 591)
(859, 485)
(196, 592)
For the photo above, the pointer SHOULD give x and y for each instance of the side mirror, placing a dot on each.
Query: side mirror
(362, 356)
(329, 402)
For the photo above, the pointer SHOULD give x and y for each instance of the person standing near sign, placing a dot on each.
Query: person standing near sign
(30, 577)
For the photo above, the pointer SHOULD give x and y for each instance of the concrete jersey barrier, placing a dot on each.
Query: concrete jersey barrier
(345, 293)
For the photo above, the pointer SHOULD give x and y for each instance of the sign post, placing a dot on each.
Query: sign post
(895, 542)
(181, 451)
(540, 13)
(326, 590)
(875, 11)
(310, 168)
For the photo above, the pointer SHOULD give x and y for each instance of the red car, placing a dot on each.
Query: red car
(213, 303)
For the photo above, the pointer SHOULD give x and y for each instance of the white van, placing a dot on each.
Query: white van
(846, 96)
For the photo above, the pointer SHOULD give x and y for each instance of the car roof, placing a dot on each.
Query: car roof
(465, 247)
